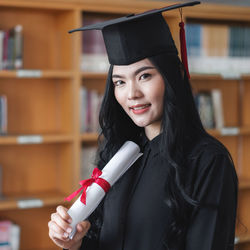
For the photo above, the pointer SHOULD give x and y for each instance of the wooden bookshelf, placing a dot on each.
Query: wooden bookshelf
(38, 154)
(41, 154)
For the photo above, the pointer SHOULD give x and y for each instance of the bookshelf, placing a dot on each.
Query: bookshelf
(41, 153)
(39, 150)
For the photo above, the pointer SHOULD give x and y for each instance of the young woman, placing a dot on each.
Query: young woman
(182, 193)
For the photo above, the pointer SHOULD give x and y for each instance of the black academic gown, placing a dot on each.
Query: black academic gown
(135, 215)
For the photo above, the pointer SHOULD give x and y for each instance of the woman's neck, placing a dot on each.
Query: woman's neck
(153, 130)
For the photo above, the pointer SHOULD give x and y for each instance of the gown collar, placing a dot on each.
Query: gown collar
(154, 145)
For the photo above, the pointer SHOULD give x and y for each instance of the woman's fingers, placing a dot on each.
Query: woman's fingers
(60, 229)
(56, 231)
(61, 223)
(62, 211)
(81, 230)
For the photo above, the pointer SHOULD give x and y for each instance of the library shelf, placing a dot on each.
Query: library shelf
(210, 77)
(200, 76)
(229, 131)
(35, 139)
(25, 73)
(29, 201)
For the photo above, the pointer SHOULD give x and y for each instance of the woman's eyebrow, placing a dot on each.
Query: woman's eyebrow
(136, 72)
(117, 76)
(142, 69)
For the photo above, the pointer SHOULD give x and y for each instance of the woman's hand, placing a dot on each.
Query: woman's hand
(59, 229)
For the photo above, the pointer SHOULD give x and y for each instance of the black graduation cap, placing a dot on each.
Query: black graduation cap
(134, 37)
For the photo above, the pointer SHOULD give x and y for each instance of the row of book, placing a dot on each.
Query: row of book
(218, 48)
(11, 48)
(3, 114)
(210, 108)
(94, 56)
(9, 235)
(90, 103)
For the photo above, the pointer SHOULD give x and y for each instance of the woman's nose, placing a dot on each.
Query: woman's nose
(134, 91)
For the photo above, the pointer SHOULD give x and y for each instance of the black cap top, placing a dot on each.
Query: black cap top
(132, 38)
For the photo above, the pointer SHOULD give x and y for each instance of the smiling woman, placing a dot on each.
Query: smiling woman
(139, 89)
(182, 193)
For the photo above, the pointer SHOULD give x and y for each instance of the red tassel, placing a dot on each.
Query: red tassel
(183, 48)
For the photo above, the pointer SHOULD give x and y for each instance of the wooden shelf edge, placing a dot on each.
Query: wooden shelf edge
(246, 77)
(64, 74)
(34, 139)
(89, 137)
(32, 201)
(200, 76)
(244, 183)
(229, 131)
(240, 239)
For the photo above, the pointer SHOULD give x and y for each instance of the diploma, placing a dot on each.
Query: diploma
(95, 188)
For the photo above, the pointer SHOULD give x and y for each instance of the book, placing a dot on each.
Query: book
(215, 40)
(210, 107)
(18, 46)
(83, 108)
(218, 48)
(5, 49)
(204, 105)
(9, 235)
(217, 108)
(3, 115)
(94, 56)
(194, 39)
(90, 103)
(239, 41)
(1, 48)
(11, 48)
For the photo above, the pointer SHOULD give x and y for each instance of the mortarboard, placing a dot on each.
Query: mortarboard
(134, 37)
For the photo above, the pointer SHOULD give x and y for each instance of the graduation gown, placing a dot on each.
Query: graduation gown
(135, 216)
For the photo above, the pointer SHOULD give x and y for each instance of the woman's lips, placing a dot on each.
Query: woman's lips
(140, 108)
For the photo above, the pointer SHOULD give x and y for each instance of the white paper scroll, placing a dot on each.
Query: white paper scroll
(114, 169)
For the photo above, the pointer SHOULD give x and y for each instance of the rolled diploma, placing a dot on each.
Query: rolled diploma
(113, 170)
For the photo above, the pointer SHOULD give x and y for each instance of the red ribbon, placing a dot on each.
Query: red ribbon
(183, 48)
(86, 183)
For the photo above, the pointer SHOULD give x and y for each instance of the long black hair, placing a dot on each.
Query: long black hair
(181, 125)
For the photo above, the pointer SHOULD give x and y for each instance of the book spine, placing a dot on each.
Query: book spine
(18, 44)
(5, 49)
(218, 108)
(1, 48)
(205, 108)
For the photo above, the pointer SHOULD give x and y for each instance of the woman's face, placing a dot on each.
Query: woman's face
(139, 89)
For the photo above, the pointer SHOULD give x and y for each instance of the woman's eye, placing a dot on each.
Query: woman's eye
(145, 76)
(118, 83)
